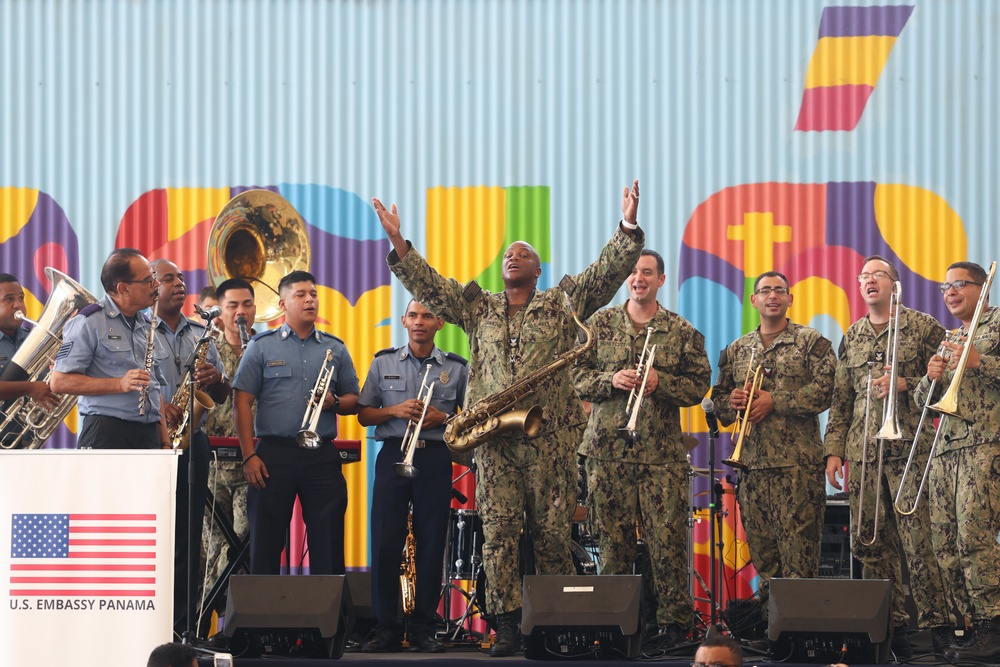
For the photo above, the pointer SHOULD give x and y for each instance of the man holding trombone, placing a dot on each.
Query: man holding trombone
(409, 393)
(860, 409)
(283, 371)
(964, 482)
(781, 492)
(636, 459)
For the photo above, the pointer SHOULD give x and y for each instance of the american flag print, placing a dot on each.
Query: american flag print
(83, 555)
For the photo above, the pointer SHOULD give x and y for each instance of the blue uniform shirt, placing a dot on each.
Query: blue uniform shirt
(100, 343)
(8, 345)
(396, 376)
(280, 369)
(174, 348)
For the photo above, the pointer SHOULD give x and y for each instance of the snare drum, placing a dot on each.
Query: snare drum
(465, 540)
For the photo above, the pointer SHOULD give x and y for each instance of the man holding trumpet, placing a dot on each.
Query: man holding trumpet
(409, 393)
(781, 492)
(282, 371)
(964, 482)
(636, 459)
(862, 359)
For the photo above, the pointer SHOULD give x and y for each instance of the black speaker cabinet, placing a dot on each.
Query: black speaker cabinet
(812, 620)
(581, 617)
(288, 616)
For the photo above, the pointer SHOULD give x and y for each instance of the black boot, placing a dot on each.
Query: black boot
(985, 645)
(942, 638)
(901, 647)
(508, 641)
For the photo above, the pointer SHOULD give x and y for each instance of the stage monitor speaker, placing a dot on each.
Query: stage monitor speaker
(814, 620)
(577, 617)
(288, 616)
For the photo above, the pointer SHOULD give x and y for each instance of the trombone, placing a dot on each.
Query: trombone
(307, 437)
(948, 405)
(644, 366)
(412, 434)
(953, 337)
(890, 415)
(742, 426)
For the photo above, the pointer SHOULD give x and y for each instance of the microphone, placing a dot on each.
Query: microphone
(713, 422)
(210, 314)
(241, 323)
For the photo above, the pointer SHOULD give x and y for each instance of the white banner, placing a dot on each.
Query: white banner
(86, 543)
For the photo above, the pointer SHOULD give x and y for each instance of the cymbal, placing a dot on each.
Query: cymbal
(690, 442)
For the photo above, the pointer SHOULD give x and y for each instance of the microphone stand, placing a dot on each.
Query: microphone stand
(189, 633)
(713, 509)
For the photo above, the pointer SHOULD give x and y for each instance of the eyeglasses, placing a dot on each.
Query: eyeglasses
(711, 664)
(957, 285)
(877, 275)
(146, 281)
(764, 291)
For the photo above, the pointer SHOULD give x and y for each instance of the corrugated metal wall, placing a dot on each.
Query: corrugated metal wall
(827, 133)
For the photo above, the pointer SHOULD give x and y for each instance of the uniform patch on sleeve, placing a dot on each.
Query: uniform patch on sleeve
(822, 348)
(64, 349)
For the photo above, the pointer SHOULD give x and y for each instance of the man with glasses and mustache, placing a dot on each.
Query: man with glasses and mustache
(103, 360)
(781, 492)
(964, 485)
(862, 355)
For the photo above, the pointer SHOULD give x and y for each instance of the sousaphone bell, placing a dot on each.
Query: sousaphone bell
(259, 237)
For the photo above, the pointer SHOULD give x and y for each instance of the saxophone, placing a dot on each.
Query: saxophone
(494, 415)
(179, 436)
(408, 569)
(148, 361)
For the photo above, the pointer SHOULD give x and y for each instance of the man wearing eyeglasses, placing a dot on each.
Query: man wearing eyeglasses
(964, 483)
(862, 359)
(780, 492)
(103, 360)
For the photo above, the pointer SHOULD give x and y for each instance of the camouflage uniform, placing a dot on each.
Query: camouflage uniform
(782, 492)
(517, 476)
(225, 478)
(919, 337)
(964, 484)
(649, 477)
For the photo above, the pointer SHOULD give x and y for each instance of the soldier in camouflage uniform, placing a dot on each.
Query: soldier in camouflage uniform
(862, 348)
(225, 478)
(781, 492)
(964, 483)
(644, 475)
(512, 334)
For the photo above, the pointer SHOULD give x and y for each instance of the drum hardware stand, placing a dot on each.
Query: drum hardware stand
(238, 553)
(449, 585)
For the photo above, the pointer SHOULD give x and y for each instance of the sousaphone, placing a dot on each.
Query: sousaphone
(259, 237)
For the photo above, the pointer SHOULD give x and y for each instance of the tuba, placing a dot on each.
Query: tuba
(495, 414)
(259, 237)
(23, 423)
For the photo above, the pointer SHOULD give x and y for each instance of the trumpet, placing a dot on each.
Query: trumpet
(948, 405)
(943, 351)
(643, 367)
(412, 435)
(890, 415)
(743, 427)
(307, 437)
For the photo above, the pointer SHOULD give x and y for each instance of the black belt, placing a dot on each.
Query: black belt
(420, 443)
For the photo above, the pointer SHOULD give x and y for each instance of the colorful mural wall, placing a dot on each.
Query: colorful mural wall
(789, 135)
